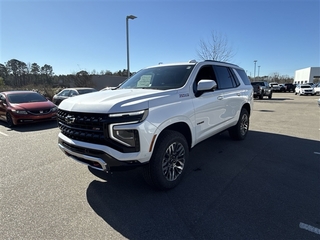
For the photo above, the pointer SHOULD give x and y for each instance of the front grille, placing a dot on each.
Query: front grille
(39, 111)
(91, 128)
(83, 126)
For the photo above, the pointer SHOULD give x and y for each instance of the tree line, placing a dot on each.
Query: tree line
(18, 74)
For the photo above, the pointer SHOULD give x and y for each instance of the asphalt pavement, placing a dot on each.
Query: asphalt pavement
(265, 187)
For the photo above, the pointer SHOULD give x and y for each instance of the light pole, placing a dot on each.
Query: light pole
(258, 71)
(127, 28)
(254, 72)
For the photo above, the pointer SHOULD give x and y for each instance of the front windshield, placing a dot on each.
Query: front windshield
(161, 77)
(26, 97)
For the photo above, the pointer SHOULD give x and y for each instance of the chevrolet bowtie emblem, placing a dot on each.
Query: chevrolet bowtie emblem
(69, 119)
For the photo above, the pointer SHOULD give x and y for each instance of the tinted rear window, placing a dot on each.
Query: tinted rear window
(243, 76)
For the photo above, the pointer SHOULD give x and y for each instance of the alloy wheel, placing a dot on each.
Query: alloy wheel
(173, 161)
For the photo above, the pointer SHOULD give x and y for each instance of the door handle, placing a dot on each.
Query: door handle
(220, 97)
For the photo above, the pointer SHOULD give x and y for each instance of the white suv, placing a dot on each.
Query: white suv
(304, 89)
(155, 117)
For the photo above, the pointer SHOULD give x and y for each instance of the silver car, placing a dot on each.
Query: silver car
(70, 92)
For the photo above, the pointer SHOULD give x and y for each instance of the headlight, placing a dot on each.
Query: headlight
(19, 111)
(119, 131)
(137, 116)
(127, 137)
(54, 109)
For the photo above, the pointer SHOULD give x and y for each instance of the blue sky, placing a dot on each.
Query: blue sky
(73, 35)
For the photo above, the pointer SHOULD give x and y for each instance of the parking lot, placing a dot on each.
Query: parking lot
(265, 187)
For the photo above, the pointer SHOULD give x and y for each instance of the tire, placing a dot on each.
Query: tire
(261, 96)
(240, 130)
(168, 162)
(9, 120)
(270, 95)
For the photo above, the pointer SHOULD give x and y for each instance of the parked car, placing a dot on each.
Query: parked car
(20, 107)
(316, 88)
(275, 86)
(304, 89)
(70, 92)
(290, 87)
(283, 88)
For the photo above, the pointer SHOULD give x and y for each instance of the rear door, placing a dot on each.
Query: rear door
(228, 85)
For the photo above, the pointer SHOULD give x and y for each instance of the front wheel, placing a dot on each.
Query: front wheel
(168, 161)
(261, 96)
(9, 120)
(240, 130)
(270, 95)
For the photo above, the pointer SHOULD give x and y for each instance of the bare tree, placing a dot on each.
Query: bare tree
(215, 48)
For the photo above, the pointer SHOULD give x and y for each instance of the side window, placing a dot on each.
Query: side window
(243, 76)
(73, 93)
(205, 72)
(2, 97)
(64, 93)
(225, 78)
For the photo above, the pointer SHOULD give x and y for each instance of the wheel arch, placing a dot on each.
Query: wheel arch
(247, 107)
(182, 128)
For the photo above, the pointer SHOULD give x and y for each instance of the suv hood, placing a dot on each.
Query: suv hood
(114, 101)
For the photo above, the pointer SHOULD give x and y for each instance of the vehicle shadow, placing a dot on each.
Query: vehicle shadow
(31, 127)
(231, 190)
(274, 99)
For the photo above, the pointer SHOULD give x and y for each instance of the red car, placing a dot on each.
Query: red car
(20, 107)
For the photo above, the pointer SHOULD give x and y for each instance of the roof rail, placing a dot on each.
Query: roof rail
(221, 62)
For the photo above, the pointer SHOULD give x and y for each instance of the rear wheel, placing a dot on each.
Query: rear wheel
(270, 95)
(240, 130)
(168, 161)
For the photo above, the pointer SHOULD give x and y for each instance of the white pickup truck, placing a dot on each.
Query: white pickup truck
(155, 117)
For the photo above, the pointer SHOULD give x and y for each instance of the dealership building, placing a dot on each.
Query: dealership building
(307, 75)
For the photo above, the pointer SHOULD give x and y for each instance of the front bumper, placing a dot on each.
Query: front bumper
(96, 159)
(24, 119)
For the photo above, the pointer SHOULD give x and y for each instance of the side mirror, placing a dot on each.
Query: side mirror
(206, 85)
